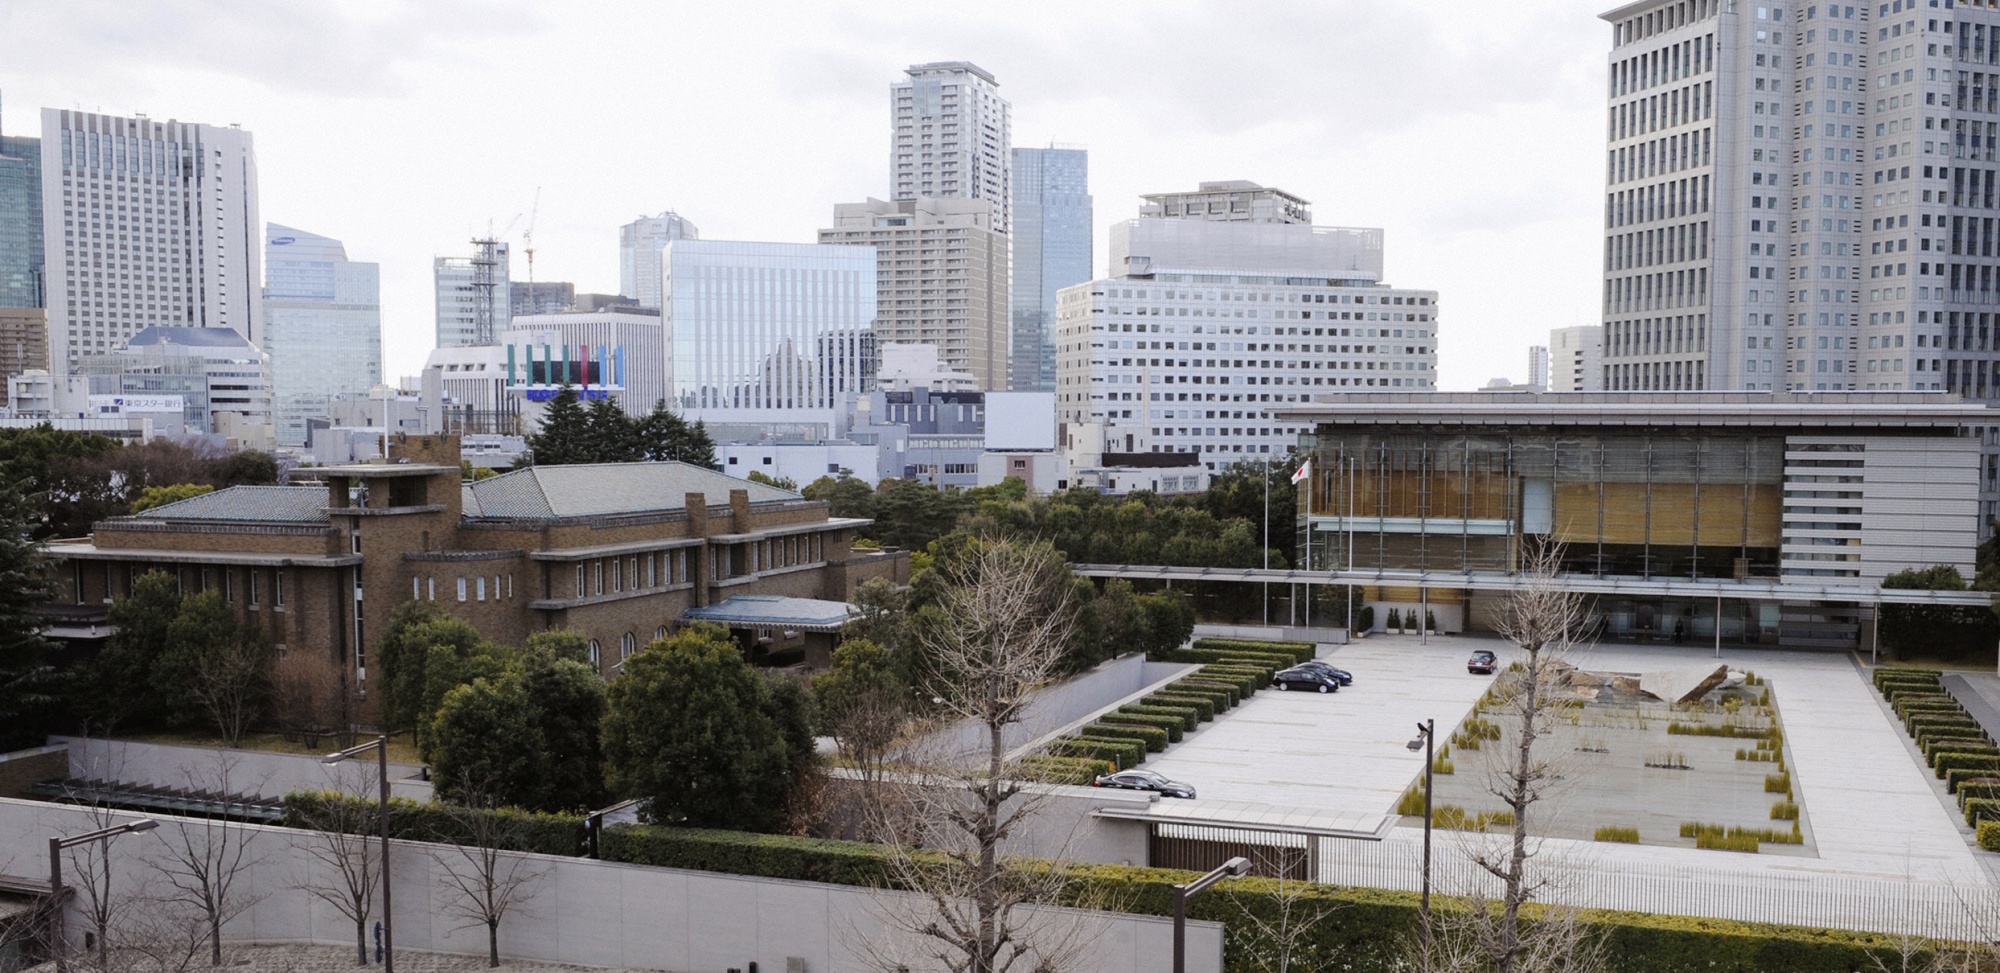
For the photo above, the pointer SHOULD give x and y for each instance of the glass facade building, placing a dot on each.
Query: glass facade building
(639, 246)
(1051, 238)
(21, 270)
(769, 334)
(322, 325)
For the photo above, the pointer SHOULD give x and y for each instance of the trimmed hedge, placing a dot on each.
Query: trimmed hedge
(1219, 697)
(1204, 707)
(1936, 745)
(1231, 691)
(1979, 809)
(1245, 683)
(1956, 777)
(1121, 754)
(1275, 660)
(1906, 708)
(1921, 720)
(1189, 715)
(1297, 651)
(1989, 835)
(1895, 691)
(530, 831)
(1984, 764)
(1936, 733)
(1887, 675)
(1370, 934)
(1154, 738)
(1173, 725)
(1067, 770)
(1259, 677)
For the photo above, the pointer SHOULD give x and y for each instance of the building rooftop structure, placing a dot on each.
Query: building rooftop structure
(603, 490)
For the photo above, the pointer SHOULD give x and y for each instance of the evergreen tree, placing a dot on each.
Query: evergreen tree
(564, 431)
(610, 436)
(121, 692)
(660, 433)
(697, 449)
(29, 689)
(485, 745)
(848, 496)
(568, 697)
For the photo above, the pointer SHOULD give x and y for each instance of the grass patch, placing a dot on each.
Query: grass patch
(1629, 836)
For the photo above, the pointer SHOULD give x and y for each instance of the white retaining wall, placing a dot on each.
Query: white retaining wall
(249, 772)
(583, 912)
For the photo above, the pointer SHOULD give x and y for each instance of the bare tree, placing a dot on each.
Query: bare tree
(308, 697)
(998, 632)
(1464, 934)
(1281, 940)
(204, 858)
(482, 878)
(342, 843)
(1545, 622)
(230, 679)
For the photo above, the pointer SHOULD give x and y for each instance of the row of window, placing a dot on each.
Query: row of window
(475, 588)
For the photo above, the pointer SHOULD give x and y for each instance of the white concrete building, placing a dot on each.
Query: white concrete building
(146, 224)
(322, 326)
(474, 298)
(1538, 366)
(1576, 359)
(905, 367)
(630, 338)
(952, 136)
(639, 246)
(941, 277)
(221, 381)
(1211, 325)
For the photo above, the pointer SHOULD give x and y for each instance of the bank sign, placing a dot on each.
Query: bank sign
(124, 404)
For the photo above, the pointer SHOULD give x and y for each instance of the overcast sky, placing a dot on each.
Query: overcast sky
(1471, 132)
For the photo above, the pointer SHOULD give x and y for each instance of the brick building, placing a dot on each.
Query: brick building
(619, 552)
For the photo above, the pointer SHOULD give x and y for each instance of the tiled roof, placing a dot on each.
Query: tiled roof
(773, 611)
(248, 504)
(604, 489)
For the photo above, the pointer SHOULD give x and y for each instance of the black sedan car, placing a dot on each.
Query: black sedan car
(1481, 663)
(1307, 678)
(1346, 678)
(1145, 780)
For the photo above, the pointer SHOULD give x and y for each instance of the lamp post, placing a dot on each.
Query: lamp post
(593, 823)
(1425, 731)
(56, 846)
(381, 747)
(1229, 869)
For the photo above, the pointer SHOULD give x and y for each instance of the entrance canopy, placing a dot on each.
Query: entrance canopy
(775, 612)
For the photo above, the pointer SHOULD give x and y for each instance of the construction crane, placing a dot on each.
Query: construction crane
(528, 237)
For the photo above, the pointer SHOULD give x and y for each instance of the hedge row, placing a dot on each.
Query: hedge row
(1204, 707)
(1972, 764)
(1932, 746)
(1232, 691)
(1154, 738)
(1258, 676)
(1921, 720)
(530, 831)
(1067, 770)
(1189, 717)
(1297, 651)
(1979, 809)
(1173, 725)
(1220, 699)
(1959, 777)
(1120, 754)
(1923, 677)
(1989, 835)
(1370, 932)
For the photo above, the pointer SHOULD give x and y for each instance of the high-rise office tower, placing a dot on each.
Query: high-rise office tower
(1538, 366)
(953, 133)
(941, 277)
(21, 272)
(1576, 359)
(146, 224)
(639, 246)
(1051, 251)
(474, 297)
(1799, 197)
(322, 327)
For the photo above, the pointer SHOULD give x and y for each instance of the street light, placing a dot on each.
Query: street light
(381, 747)
(1229, 869)
(593, 822)
(56, 846)
(1425, 731)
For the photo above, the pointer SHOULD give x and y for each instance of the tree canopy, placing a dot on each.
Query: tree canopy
(1937, 631)
(573, 433)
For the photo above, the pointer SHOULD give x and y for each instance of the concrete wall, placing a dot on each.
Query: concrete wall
(249, 772)
(21, 770)
(1070, 703)
(1280, 633)
(583, 912)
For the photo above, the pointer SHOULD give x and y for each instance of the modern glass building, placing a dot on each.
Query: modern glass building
(21, 271)
(1052, 235)
(639, 246)
(772, 335)
(322, 326)
(1777, 514)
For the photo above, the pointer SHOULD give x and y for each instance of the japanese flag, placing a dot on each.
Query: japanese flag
(1305, 470)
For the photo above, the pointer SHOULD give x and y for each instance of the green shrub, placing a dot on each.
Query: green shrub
(1988, 833)
(529, 831)
(1204, 708)
(1954, 779)
(1931, 741)
(1919, 721)
(1246, 683)
(1936, 750)
(1739, 731)
(1189, 717)
(1987, 764)
(1979, 809)
(1173, 725)
(1153, 737)
(1451, 817)
(1121, 754)
(1296, 652)
(1230, 692)
(1412, 801)
(1259, 677)
(1928, 677)
(1967, 792)
(1778, 783)
(1628, 836)
(1065, 770)
(1784, 811)
(1442, 765)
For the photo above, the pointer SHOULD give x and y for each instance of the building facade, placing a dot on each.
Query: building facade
(639, 246)
(1538, 367)
(322, 326)
(1212, 325)
(1576, 359)
(220, 382)
(620, 553)
(151, 224)
(540, 297)
(633, 340)
(1777, 513)
(474, 296)
(24, 340)
(1051, 241)
(941, 277)
(22, 275)
(768, 336)
(952, 136)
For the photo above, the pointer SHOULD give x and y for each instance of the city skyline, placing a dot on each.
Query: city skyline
(1324, 106)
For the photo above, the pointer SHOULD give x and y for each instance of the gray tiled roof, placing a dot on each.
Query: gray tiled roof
(249, 504)
(775, 611)
(605, 489)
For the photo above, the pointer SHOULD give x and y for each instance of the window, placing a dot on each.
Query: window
(278, 589)
(659, 633)
(228, 584)
(416, 589)
(596, 654)
(600, 576)
(461, 589)
(254, 593)
(580, 592)
(627, 645)
(431, 588)
(480, 587)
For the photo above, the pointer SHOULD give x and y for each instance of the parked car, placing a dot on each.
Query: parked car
(1346, 678)
(1145, 780)
(1307, 678)
(1482, 663)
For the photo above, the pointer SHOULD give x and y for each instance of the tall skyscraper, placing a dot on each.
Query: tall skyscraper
(941, 277)
(21, 271)
(474, 297)
(768, 337)
(953, 133)
(639, 246)
(157, 224)
(1576, 359)
(1051, 250)
(322, 327)
(1538, 366)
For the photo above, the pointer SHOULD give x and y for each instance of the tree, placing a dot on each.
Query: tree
(1943, 630)
(204, 859)
(687, 728)
(561, 439)
(781, 482)
(609, 435)
(1262, 494)
(847, 496)
(664, 436)
(160, 496)
(482, 881)
(424, 654)
(997, 632)
(558, 643)
(122, 691)
(29, 689)
(309, 697)
(569, 699)
(214, 668)
(337, 837)
(485, 734)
